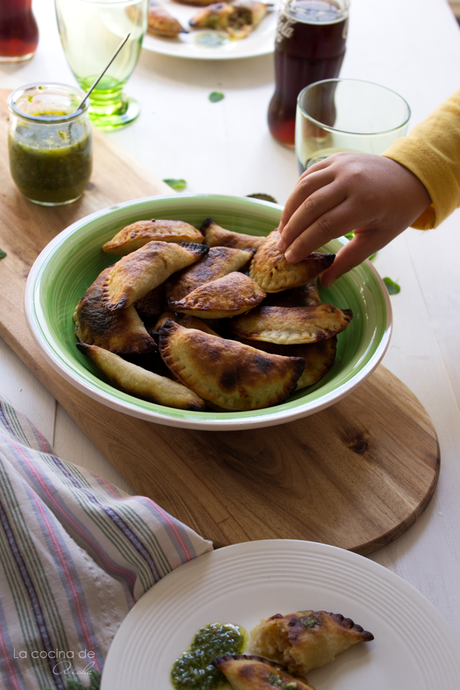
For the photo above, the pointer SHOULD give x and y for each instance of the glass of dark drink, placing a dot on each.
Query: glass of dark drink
(309, 46)
(18, 31)
(347, 115)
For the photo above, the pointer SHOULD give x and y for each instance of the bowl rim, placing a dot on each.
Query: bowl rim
(193, 421)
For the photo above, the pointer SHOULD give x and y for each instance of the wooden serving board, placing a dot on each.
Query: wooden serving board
(356, 475)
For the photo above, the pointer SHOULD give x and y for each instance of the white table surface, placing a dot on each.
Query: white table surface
(411, 46)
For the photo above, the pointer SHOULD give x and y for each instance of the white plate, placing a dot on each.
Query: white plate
(260, 42)
(414, 648)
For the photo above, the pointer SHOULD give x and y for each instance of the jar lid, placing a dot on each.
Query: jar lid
(47, 102)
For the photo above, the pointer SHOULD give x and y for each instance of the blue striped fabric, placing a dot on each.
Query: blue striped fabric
(76, 553)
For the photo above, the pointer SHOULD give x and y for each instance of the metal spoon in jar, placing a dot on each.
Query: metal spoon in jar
(96, 81)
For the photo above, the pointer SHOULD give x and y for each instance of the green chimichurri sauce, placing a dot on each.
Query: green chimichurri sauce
(51, 164)
(193, 670)
(209, 39)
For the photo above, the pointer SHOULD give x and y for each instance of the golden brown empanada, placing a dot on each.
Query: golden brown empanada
(304, 296)
(249, 672)
(219, 262)
(208, 326)
(122, 332)
(215, 236)
(291, 325)
(137, 234)
(231, 295)
(141, 383)
(238, 18)
(162, 23)
(214, 16)
(229, 374)
(273, 272)
(184, 320)
(135, 274)
(319, 357)
(305, 640)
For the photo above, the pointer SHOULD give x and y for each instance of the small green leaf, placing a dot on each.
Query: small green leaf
(392, 287)
(2, 254)
(215, 96)
(263, 197)
(178, 185)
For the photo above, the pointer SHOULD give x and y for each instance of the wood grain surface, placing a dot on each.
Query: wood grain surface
(356, 475)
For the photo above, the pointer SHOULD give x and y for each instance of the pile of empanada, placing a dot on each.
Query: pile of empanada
(207, 318)
(290, 646)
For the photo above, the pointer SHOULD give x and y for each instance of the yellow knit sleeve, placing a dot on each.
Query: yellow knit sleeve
(432, 152)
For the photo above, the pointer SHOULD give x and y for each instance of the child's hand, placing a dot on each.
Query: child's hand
(374, 196)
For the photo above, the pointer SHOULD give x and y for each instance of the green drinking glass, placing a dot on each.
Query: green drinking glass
(90, 32)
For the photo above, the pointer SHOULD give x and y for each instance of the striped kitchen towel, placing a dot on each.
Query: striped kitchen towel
(76, 554)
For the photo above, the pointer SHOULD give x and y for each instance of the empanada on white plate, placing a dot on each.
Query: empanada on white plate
(231, 295)
(226, 373)
(291, 325)
(319, 357)
(249, 672)
(305, 640)
(137, 234)
(141, 383)
(134, 275)
(122, 331)
(304, 296)
(219, 262)
(273, 272)
(161, 22)
(215, 236)
(237, 18)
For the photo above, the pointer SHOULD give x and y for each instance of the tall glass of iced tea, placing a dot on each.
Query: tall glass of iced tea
(309, 46)
(18, 30)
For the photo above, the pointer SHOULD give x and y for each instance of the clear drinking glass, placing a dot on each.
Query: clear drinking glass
(347, 115)
(90, 32)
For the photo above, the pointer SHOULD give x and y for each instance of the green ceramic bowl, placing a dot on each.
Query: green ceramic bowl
(71, 262)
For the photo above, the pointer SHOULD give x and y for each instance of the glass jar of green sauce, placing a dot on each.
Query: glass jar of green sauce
(50, 143)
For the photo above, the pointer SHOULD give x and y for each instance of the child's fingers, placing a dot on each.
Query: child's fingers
(305, 187)
(366, 242)
(314, 223)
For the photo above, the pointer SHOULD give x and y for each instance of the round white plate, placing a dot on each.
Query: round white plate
(260, 42)
(414, 647)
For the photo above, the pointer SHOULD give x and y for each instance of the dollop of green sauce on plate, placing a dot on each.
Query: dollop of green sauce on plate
(209, 39)
(193, 670)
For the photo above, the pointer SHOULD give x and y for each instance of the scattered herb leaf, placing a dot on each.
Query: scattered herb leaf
(2, 254)
(178, 185)
(216, 96)
(392, 287)
(263, 197)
